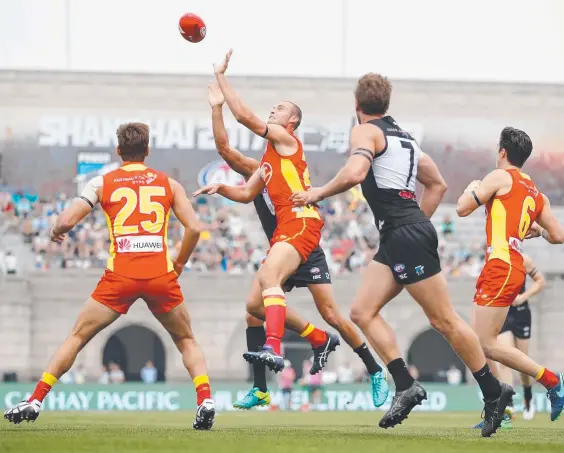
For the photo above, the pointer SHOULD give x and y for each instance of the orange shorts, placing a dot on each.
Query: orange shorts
(161, 294)
(498, 284)
(302, 234)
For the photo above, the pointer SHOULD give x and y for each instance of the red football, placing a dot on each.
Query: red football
(192, 27)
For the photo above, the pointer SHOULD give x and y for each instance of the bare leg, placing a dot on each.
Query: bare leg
(487, 322)
(177, 323)
(432, 295)
(377, 288)
(327, 307)
(505, 374)
(93, 318)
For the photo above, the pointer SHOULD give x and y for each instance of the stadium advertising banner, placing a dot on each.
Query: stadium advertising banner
(164, 397)
(191, 134)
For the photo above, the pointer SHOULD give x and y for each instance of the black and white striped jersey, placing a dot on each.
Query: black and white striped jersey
(389, 187)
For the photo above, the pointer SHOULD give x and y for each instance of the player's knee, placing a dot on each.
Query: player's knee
(331, 317)
(359, 317)
(444, 324)
(268, 277)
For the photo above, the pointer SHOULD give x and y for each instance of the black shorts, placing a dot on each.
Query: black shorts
(518, 321)
(411, 252)
(314, 271)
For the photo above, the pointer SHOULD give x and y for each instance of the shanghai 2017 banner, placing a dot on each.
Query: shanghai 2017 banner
(165, 397)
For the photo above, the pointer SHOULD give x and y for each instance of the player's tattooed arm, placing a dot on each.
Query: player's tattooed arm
(238, 162)
(241, 194)
(365, 140)
(278, 135)
(479, 192)
(434, 185)
(547, 225)
(538, 281)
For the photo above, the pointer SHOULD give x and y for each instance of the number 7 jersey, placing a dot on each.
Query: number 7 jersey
(137, 201)
(509, 217)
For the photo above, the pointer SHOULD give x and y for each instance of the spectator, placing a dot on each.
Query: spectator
(345, 374)
(104, 376)
(116, 374)
(447, 227)
(454, 375)
(10, 263)
(149, 373)
(79, 375)
(286, 380)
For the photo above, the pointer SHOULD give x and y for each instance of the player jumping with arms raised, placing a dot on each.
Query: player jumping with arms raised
(283, 170)
(314, 274)
(512, 203)
(387, 162)
(137, 202)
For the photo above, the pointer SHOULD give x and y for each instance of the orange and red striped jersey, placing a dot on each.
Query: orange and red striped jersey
(509, 217)
(283, 176)
(137, 202)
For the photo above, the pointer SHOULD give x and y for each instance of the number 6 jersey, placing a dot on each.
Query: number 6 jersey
(509, 217)
(137, 202)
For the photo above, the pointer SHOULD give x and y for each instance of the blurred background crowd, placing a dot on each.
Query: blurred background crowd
(232, 240)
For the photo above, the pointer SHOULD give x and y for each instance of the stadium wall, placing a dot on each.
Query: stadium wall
(49, 118)
(37, 312)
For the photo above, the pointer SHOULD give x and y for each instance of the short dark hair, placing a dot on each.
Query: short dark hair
(133, 141)
(298, 112)
(517, 145)
(373, 93)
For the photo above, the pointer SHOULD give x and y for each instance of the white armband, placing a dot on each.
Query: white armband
(89, 192)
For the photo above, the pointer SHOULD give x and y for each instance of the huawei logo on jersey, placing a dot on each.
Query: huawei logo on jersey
(124, 244)
(407, 195)
(266, 172)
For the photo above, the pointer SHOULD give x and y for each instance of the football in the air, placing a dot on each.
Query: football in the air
(192, 27)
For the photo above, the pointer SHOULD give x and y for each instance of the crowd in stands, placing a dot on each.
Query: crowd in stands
(232, 240)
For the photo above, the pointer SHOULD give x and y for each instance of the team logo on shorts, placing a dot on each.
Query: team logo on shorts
(314, 270)
(419, 270)
(399, 268)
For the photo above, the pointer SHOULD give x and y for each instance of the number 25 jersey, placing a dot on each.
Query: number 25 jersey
(137, 201)
(509, 217)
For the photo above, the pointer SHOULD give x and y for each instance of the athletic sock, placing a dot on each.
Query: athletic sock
(547, 378)
(402, 379)
(368, 359)
(488, 383)
(275, 314)
(528, 396)
(43, 387)
(203, 389)
(315, 336)
(256, 338)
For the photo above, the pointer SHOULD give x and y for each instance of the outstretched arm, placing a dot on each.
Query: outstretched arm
(240, 163)
(244, 115)
(364, 140)
(241, 194)
(434, 185)
(479, 192)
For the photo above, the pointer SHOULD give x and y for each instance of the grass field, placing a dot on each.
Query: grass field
(272, 432)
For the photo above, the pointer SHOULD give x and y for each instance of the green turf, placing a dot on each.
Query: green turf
(272, 432)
